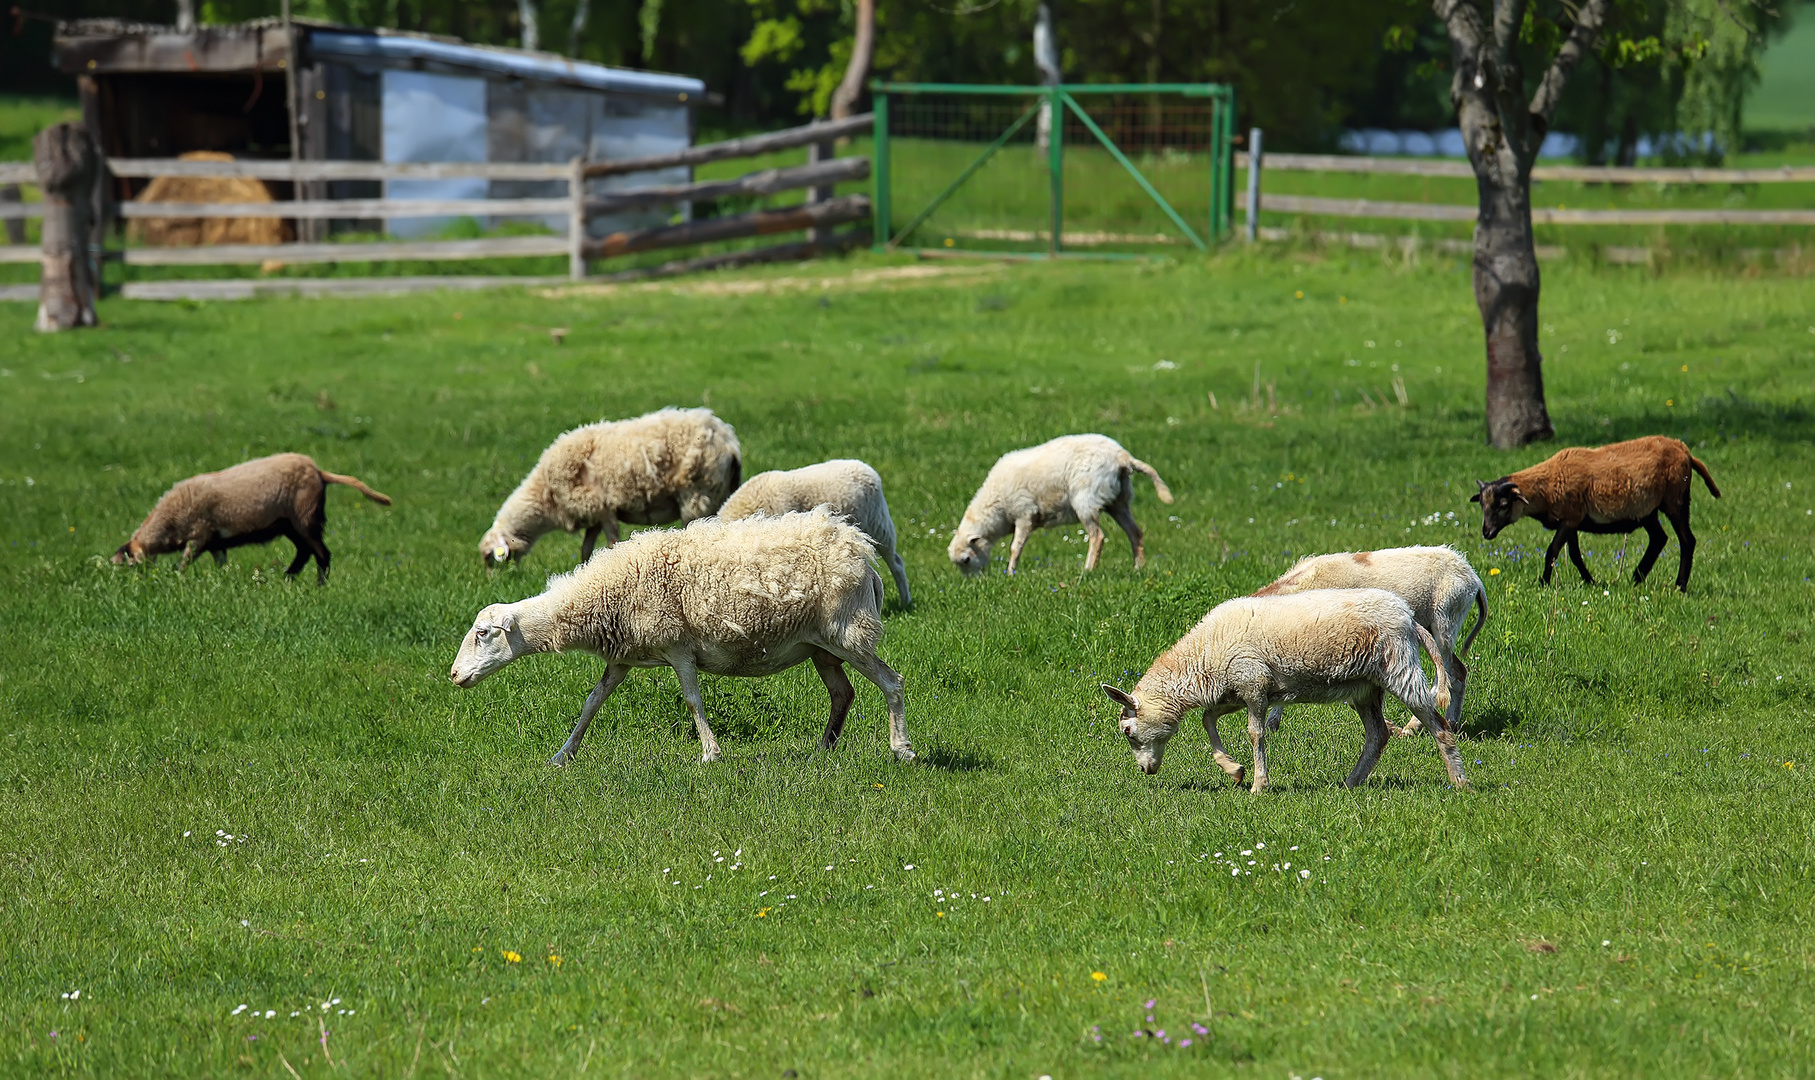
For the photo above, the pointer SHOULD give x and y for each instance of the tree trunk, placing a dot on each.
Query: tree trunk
(580, 13)
(68, 164)
(1506, 291)
(863, 47)
(1502, 130)
(527, 24)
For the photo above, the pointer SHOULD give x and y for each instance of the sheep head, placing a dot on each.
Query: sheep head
(1148, 729)
(1502, 503)
(969, 550)
(495, 640)
(498, 547)
(131, 553)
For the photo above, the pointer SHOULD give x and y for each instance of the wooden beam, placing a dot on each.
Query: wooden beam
(766, 182)
(735, 148)
(248, 288)
(803, 249)
(499, 247)
(1408, 211)
(340, 170)
(352, 208)
(1404, 211)
(1586, 173)
(846, 208)
(18, 172)
(207, 49)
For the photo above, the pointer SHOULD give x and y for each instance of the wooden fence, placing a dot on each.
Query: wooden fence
(1258, 200)
(818, 214)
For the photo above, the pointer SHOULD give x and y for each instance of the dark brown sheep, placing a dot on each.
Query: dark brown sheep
(252, 503)
(1610, 489)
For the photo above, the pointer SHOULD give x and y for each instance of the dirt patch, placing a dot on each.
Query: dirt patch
(882, 277)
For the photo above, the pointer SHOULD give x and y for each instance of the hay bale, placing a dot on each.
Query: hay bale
(195, 232)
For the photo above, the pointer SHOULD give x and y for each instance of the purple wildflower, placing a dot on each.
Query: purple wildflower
(1182, 1043)
(1200, 1029)
(1150, 1003)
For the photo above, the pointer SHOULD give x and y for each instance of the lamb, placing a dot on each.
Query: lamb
(1610, 489)
(850, 488)
(1072, 478)
(746, 598)
(253, 502)
(1438, 584)
(1353, 645)
(668, 465)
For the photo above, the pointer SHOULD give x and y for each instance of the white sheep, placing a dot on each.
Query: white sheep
(668, 465)
(1437, 582)
(849, 487)
(747, 598)
(1072, 478)
(1353, 645)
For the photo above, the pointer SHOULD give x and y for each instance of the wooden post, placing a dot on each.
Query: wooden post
(15, 227)
(816, 153)
(1253, 185)
(68, 165)
(576, 219)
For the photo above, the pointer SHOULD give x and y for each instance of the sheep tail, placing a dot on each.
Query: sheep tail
(1481, 603)
(1430, 647)
(1159, 486)
(1706, 478)
(356, 484)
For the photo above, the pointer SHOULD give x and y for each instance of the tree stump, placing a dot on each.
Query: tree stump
(68, 164)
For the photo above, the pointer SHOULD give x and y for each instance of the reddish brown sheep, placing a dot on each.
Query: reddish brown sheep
(1610, 489)
(251, 503)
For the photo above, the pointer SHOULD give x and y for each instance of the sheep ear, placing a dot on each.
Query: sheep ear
(1119, 696)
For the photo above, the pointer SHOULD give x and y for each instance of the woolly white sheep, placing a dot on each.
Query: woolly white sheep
(849, 487)
(668, 465)
(1072, 478)
(747, 598)
(1437, 582)
(1353, 645)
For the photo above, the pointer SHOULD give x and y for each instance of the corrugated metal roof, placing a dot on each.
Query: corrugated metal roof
(513, 62)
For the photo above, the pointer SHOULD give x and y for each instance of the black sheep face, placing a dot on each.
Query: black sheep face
(1501, 504)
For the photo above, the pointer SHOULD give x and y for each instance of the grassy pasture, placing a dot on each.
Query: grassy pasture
(1628, 889)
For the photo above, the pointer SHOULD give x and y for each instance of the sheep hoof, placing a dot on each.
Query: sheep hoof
(1240, 775)
(561, 759)
(904, 753)
(709, 757)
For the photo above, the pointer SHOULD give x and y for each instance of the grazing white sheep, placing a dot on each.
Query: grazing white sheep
(1437, 582)
(668, 465)
(747, 598)
(849, 487)
(1072, 478)
(1353, 645)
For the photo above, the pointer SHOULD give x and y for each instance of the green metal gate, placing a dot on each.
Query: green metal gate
(1014, 196)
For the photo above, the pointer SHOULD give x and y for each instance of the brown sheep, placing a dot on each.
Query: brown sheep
(1609, 489)
(251, 503)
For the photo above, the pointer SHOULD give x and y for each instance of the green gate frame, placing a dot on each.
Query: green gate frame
(1059, 98)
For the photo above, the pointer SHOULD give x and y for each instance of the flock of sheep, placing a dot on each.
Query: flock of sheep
(778, 571)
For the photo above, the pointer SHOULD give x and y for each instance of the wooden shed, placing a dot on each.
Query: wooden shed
(152, 91)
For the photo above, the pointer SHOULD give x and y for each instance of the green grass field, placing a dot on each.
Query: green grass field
(1628, 889)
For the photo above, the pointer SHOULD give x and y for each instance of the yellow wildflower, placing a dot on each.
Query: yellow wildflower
(1099, 976)
(555, 960)
(511, 957)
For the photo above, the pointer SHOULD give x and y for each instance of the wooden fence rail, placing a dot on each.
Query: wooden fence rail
(817, 216)
(1601, 174)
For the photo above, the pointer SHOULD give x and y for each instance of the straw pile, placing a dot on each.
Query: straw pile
(194, 232)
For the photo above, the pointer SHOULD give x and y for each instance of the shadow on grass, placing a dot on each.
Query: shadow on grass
(955, 759)
(1714, 416)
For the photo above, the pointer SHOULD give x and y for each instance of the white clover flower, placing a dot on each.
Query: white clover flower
(1305, 874)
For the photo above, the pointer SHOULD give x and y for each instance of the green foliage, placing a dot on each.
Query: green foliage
(1626, 892)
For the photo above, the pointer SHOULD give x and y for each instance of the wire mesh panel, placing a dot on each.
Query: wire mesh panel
(1116, 169)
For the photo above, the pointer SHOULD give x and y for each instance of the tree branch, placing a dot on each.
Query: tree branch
(1509, 19)
(1462, 21)
(1589, 20)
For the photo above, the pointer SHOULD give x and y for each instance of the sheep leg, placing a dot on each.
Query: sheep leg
(1654, 546)
(220, 556)
(838, 685)
(893, 691)
(1374, 737)
(303, 552)
(1445, 734)
(898, 570)
(688, 673)
(587, 541)
(1685, 543)
(1257, 736)
(1125, 518)
(1093, 529)
(1024, 528)
(1217, 754)
(1458, 685)
(611, 530)
(614, 674)
(190, 551)
(1550, 556)
(1575, 556)
(1273, 716)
